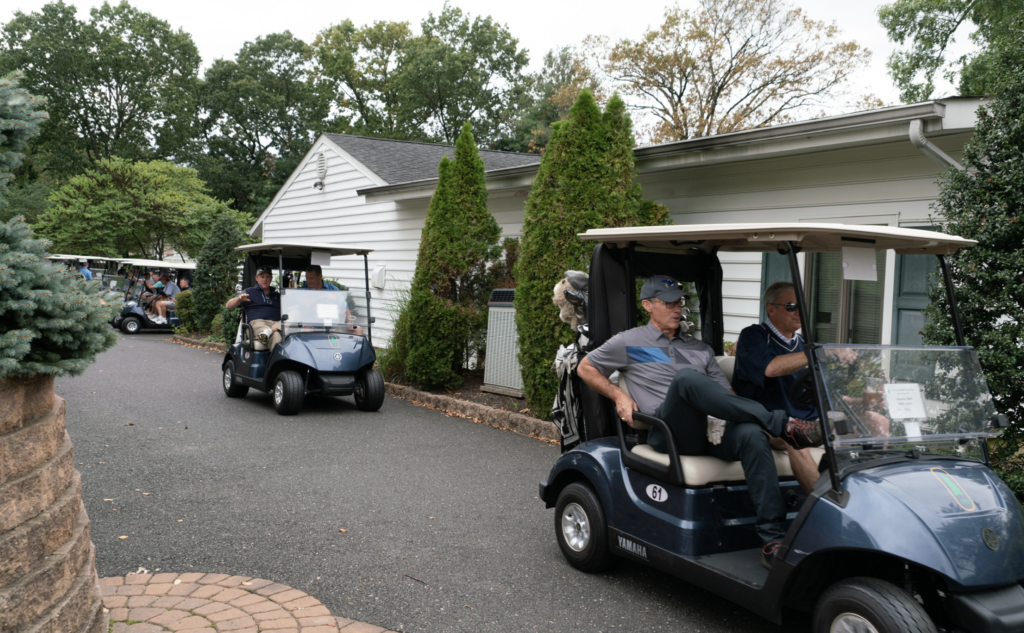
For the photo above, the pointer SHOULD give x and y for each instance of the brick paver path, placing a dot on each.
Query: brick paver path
(208, 603)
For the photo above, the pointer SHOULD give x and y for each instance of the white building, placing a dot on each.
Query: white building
(873, 167)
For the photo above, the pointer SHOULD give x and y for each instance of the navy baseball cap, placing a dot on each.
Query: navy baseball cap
(662, 287)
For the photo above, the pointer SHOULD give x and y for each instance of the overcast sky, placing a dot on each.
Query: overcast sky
(220, 27)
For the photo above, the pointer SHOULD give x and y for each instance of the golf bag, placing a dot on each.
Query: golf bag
(571, 297)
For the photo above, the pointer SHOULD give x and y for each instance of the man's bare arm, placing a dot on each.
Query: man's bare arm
(624, 405)
(785, 365)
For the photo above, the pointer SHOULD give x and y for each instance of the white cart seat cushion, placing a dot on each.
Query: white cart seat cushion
(727, 363)
(699, 470)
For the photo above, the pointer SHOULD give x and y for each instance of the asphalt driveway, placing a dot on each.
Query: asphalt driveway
(443, 528)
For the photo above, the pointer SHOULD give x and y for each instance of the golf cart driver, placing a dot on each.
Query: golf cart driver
(907, 529)
(313, 344)
(676, 378)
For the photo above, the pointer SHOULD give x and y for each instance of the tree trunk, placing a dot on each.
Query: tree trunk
(48, 576)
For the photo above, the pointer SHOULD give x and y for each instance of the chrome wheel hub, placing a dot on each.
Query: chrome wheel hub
(279, 392)
(228, 378)
(575, 527)
(851, 623)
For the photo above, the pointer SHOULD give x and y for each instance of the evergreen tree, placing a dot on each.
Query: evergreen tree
(20, 118)
(985, 202)
(216, 270)
(447, 315)
(586, 180)
(52, 322)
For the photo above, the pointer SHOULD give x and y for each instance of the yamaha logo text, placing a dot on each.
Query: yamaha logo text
(632, 548)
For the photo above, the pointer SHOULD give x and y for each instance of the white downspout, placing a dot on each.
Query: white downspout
(919, 140)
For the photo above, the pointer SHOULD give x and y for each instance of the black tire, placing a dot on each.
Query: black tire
(369, 390)
(581, 529)
(231, 388)
(288, 392)
(866, 603)
(131, 325)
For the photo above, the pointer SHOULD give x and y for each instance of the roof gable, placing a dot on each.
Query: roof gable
(406, 161)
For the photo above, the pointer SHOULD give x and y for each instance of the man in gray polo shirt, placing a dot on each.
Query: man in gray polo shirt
(676, 378)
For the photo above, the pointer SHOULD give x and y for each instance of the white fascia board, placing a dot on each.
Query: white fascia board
(961, 114)
(500, 185)
(257, 227)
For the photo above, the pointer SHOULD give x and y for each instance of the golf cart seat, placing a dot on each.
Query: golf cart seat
(699, 470)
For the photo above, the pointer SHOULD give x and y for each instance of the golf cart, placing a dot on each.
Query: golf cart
(133, 317)
(326, 346)
(108, 270)
(907, 529)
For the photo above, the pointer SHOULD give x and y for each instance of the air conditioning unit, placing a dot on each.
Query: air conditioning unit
(501, 371)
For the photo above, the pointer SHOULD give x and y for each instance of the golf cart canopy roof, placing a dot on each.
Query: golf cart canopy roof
(156, 263)
(768, 237)
(60, 258)
(293, 250)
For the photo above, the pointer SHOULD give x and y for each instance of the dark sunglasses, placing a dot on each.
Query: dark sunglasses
(790, 307)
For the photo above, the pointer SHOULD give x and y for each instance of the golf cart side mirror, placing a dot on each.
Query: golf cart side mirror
(999, 421)
(373, 319)
(284, 317)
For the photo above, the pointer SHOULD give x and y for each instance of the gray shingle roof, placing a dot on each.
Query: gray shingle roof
(405, 161)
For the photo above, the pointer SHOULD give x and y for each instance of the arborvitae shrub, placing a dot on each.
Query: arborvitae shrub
(185, 310)
(217, 270)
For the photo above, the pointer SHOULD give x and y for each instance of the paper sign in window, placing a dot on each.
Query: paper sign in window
(327, 311)
(905, 401)
(859, 264)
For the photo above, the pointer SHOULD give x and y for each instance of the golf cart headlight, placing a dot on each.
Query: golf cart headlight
(131, 303)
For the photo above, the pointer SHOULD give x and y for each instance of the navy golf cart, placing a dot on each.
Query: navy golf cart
(326, 347)
(907, 529)
(135, 315)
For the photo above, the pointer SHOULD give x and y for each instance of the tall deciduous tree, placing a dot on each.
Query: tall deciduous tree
(463, 69)
(262, 111)
(729, 65)
(447, 314)
(586, 180)
(927, 28)
(121, 208)
(985, 202)
(117, 85)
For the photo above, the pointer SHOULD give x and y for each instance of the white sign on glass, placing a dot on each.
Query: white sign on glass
(320, 258)
(859, 264)
(905, 401)
(327, 311)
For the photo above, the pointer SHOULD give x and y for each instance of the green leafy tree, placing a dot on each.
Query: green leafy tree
(927, 28)
(121, 208)
(217, 270)
(586, 180)
(21, 115)
(52, 322)
(985, 202)
(463, 70)
(119, 84)
(260, 115)
(365, 63)
(447, 306)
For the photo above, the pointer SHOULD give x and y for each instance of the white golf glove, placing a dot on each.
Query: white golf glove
(716, 428)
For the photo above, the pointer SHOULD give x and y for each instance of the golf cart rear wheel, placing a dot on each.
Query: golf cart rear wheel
(581, 529)
(131, 325)
(869, 605)
(288, 392)
(231, 388)
(369, 391)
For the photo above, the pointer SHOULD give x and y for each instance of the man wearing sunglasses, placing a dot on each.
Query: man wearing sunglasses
(675, 377)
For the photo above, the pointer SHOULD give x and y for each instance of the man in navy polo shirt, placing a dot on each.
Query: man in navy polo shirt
(676, 378)
(262, 305)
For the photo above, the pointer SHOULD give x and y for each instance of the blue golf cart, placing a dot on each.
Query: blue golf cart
(326, 347)
(907, 529)
(134, 316)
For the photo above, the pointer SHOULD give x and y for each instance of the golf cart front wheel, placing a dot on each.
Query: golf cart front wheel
(231, 388)
(369, 391)
(288, 392)
(131, 325)
(870, 605)
(581, 529)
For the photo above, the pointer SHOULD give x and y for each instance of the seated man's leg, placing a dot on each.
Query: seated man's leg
(693, 396)
(748, 444)
(276, 337)
(805, 469)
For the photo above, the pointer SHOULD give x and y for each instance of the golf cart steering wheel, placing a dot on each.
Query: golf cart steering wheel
(804, 391)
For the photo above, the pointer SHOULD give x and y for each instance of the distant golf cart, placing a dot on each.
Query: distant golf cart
(326, 347)
(103, 269)
(133, 317)
(907, 530)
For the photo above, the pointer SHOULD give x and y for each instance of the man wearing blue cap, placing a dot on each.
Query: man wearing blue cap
(676, 378)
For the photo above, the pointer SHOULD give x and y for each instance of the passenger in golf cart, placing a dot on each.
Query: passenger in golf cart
(296, 342)
(907, 529)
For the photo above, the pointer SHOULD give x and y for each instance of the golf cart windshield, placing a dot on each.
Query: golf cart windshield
(911, 396)
(334, 311)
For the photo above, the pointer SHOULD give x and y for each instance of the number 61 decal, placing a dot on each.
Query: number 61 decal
(657, 493)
